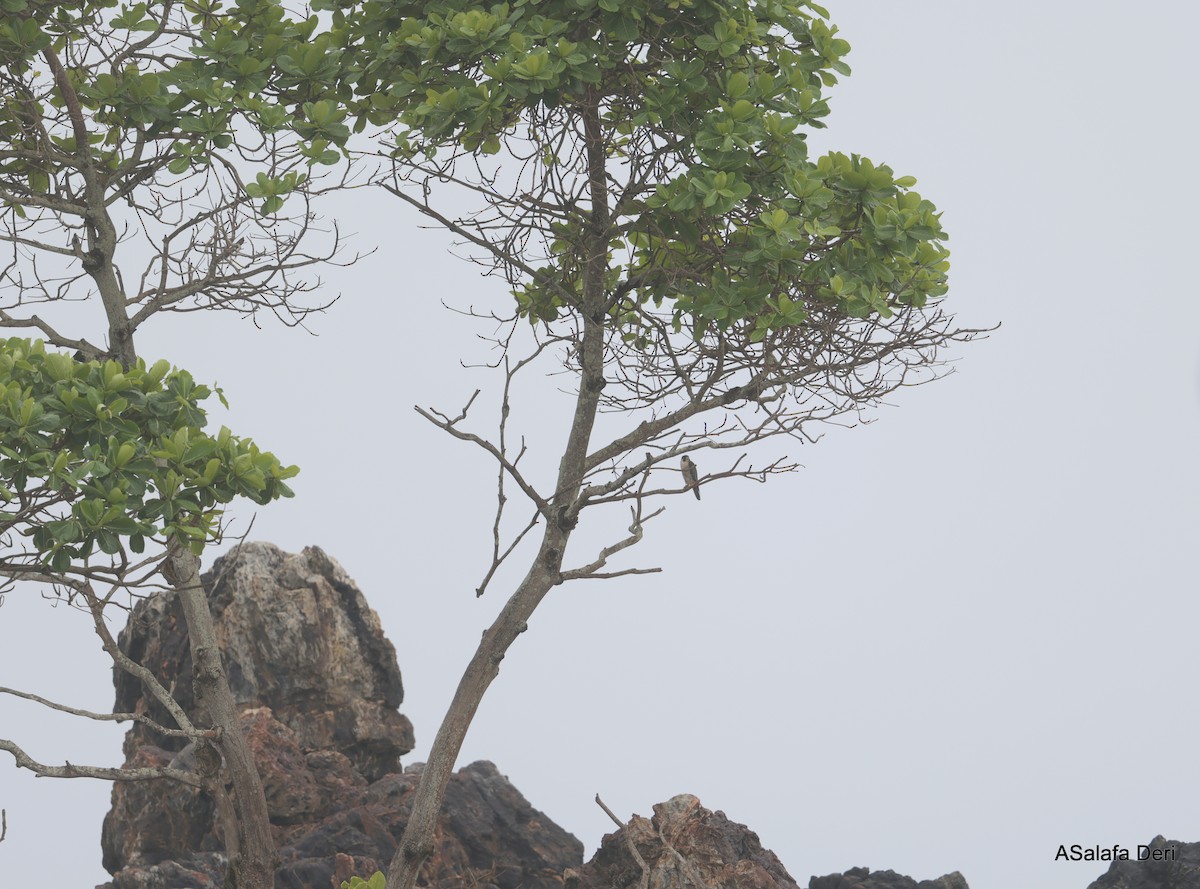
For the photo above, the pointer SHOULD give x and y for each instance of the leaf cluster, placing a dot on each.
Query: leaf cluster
(91, 454)
(377, 881)
(717, 211)
(164, 86)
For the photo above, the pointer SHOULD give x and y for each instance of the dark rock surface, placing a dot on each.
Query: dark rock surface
(319, 686)
(1181, 873)
(684, 844)
(298, 637)
(489, 836)
(865, 878)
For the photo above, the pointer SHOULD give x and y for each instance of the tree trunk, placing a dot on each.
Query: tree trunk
(248, 839)
(417, 843)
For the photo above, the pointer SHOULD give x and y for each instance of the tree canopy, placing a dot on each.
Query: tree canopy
(704, 192)
(640, 176)
(638, 172)
(138, 135)
(139, 166)
(91, 453)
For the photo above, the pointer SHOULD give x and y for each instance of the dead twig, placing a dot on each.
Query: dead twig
(644, 883)
(109, 717)
(70, 770)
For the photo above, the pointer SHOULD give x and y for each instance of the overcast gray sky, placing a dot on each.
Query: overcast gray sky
(953, 641)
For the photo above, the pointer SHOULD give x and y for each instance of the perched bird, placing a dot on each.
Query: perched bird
(690, 475)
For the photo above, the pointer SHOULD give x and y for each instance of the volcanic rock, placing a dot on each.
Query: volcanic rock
(318, 686)
(1181, 873)
(684, 844)
(865, 878)
(298, 637)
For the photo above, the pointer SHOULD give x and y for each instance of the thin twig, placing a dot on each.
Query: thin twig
(498, 559)
(109, 717)
(629, 844)
(684, 864)
(443, 422)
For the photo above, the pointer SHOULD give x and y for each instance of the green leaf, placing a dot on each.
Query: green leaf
(156, 373)
(86, 450)
(124, 454)
(60, 560)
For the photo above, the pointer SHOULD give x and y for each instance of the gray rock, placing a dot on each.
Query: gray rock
(318, 685)
(298, 637)
(684, 844)
(865, 878)
(1182, 871)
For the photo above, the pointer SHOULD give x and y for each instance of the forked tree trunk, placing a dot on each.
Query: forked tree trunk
(546, 572)
(250, 846)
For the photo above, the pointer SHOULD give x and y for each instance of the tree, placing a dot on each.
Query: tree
(98, 460)
(129, 137)
(645, 189)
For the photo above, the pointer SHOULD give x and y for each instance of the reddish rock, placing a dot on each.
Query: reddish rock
(293, 794)
(488, 835)
(164, 818)
(298, 637)
(684, 844)
(319, 687)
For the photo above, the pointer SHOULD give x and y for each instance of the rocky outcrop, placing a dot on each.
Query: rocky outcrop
(865, 878)
(683, 844)
(319, 688)
(1177, 867)
(488, 836)
(299, 638)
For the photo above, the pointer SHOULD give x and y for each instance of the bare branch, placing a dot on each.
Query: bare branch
(608, 575)
(70, 770)
(609, 812)
(592, 570)
(506, 257)
(629, 844)
(450, 425)
(109, 717)
(95, 606)
(52, 336)
(499, 558)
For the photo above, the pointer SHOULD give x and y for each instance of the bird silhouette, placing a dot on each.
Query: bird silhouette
(690, 475)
